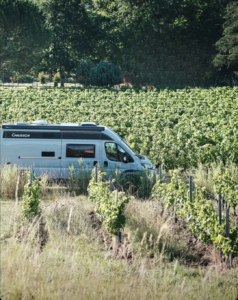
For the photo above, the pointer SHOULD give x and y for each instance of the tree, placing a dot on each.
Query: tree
(23, 36)
(105, 73)
(227, 58)
(83, 71)
(76, 30)
(164, 42)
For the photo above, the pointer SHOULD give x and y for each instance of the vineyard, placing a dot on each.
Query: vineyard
(186, 215)
(175, 128)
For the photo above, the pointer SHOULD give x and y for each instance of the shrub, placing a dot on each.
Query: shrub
(83, 71)
(13, 79)
(43, 78)
(25, 79)
(56, 78)
(105, 73)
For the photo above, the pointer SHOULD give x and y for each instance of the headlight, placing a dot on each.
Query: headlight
(147, 166)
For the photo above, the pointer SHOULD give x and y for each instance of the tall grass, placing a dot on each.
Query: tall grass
(203, 175)
(79, 178)
(74, 264)
(139, 184)
(12, 182)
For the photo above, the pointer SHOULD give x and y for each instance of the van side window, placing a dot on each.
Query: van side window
(48, 154)
(111, 151)
(115, 152)
(86, 151)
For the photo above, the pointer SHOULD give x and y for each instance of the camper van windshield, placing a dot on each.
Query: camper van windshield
(121, 140)
(127, 145)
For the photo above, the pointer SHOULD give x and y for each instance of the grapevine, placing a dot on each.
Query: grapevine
(176, 128)
(202, 219)
(110, 213)
(30, 203)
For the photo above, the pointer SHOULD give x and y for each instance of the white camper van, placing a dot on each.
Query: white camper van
(52, 148)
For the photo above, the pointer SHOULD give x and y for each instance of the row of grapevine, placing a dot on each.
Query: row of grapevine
(201, 216)
(176, 128)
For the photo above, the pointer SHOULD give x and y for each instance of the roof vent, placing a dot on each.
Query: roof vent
(39, 122)
(88, 124)
(69, 124)
(20, 123)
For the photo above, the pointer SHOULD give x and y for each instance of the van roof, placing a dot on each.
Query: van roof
(82, 127)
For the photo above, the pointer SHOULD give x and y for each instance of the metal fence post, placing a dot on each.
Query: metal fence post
(228, 232)
(222, 156)
(219, 216)
(31, 181)
(160, 172)
(116, 196)
(227, 221)
(96, 173)
(118, 230)
(219, 209)
(191, 188)
(156, 173)
(31, 176)
(110, 183)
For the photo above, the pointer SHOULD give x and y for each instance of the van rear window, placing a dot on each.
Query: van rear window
(86, 151)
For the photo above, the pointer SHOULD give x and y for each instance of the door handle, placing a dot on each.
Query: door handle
(105, 163)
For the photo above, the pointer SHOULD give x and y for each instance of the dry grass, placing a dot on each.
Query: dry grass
(11, 182)
(74, 264)
(155, 234)
(203, 176)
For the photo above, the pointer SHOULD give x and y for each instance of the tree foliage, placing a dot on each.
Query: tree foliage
(165, 42)
(105, 73)
(155, 42)
(75, 32)
(227, 59)
(83, 71)
(23, 36)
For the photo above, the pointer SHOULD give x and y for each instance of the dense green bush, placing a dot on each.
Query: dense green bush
(56, 78)
(43, 78)
(83, 71)
(105, 73)
(25, 79)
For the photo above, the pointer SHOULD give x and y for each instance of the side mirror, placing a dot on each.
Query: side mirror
(125, 159)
